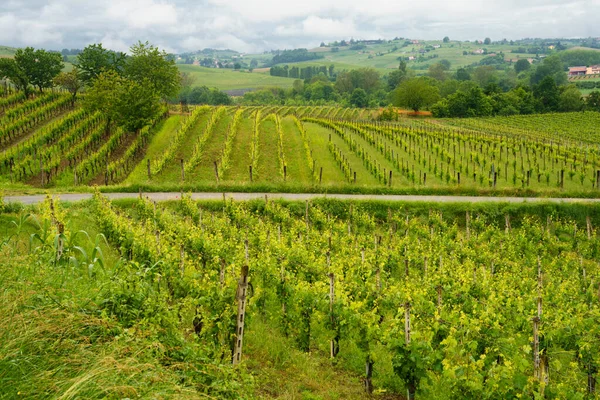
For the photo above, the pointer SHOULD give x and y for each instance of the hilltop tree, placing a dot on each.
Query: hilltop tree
(40, 66)
(31, 67)
(71, 82)
(11, 71)
(95, 59)
(127, 103)
(487, 41)
(136, 106)
(446, 39)
(415, 94)
(102, 95)
(148, 63)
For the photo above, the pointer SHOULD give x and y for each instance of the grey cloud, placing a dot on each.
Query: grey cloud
(256, 25)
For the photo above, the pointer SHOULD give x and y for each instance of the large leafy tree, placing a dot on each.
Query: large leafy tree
(103, 95)
(416, 94)
(31, 67)
(150, 65)
(9, 69)
(124, 102)
(95, 59)
(40, 66)
(137, 104)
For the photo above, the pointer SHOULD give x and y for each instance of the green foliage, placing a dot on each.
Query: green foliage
(416, 93)
(522, 65)
(40, 66)
(70, 81)
(129, 104)
(95, 59)
(359, 98)
(593, 101)
(150, 66)
(570, 99)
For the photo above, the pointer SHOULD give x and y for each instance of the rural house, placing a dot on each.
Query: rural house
(593, 70)
(577, 71)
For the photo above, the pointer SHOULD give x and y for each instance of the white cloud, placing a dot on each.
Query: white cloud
(254, 25)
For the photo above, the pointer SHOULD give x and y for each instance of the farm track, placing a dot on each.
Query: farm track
(166, 196)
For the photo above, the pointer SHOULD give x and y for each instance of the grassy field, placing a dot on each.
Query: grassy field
(227, 79)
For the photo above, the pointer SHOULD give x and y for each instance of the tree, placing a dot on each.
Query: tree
(415, 93)
(95, 59)
(102, 95)
(463, 75)
(484, 75)
(592, 102)
(446, 39)
(137, 104)
(125, 102)
(551, 66)
(547, 95)
(237, 66)
(487, 41)
(11, 71)
(148, 63)
(438, 71)
(359, 98)
(522, 65)
(394, 78)
(186, 80)
(40, 66)
(570, 99)
(71, 82)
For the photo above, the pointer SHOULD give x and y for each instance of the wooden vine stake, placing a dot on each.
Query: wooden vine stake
(507, 223)
(306, 215)
(536, 348)
(182, 259)
(468, 224)
(334, 345)
(589, 227)
(241, 315)
(410, 391)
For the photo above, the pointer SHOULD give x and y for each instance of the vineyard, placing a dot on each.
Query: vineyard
(409, 302)
(46, 143)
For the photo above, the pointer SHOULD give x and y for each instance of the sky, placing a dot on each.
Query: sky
(259, 25)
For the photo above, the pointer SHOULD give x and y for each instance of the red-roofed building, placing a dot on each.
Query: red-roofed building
(577, 71)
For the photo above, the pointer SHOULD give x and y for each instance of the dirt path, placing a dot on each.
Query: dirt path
(35, 199)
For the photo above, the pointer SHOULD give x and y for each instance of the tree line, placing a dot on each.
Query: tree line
(127, 89)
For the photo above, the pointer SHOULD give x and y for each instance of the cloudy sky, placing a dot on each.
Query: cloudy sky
(257, 25)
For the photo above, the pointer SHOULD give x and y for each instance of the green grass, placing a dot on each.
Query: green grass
(363, 176)
(227, 79)
(166, 130)
(298, 169)
(241, 153)
(205, 171)
(268, 162)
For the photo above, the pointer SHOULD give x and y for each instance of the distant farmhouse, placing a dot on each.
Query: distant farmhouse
(583, 70)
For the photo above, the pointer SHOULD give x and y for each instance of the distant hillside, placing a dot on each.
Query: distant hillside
(7, 51)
